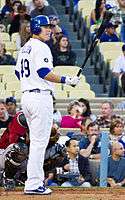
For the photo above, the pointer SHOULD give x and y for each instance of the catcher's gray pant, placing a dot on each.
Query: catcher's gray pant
(38, 110)
(3, 153)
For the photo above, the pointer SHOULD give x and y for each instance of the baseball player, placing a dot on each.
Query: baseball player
(34, 70)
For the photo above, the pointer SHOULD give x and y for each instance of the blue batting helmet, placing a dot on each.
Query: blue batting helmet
(37, 22)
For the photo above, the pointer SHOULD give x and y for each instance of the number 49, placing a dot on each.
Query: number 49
(25, 70)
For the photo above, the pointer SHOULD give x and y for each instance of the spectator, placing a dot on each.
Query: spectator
(90, 146)
(84, 103)
(97, 14)
(15, 5)
(7, 8)
(5, 59)
(54, 20)
(62, 54)
(56, 32)
(6, 13)
(42, 9)
(122, 86)
(116, 166)
(18, 19)
(74, 119)
(24, 35)
(122, 7)
(117, 71)
(76, 165)
(30, 5)
(11, 106)
(109, 35)
(107, 115)
(117, 131)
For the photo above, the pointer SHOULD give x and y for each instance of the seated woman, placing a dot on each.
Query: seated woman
(87, 114)
(97, 14)
(24, 34)
(62, 53)
(117, 131)
(74, 119)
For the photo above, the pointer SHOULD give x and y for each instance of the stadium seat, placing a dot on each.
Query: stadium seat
(65, 91)
(110, 50)
(5, 69)
(10, 78)
(13, 86)
(69, 71)
(5, 37)
(14, 37)
(10, 46)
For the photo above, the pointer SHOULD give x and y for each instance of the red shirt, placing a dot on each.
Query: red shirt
(14, 131)
(70, 122)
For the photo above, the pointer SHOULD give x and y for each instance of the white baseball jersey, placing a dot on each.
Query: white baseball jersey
(33, 56)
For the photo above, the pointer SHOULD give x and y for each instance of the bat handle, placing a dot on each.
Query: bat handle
(79, 72)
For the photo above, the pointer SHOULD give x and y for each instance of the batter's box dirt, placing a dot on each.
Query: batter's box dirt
(68, 194)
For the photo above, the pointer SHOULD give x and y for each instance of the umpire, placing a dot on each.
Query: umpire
(34, 70)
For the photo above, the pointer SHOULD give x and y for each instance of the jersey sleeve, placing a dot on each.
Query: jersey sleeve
(43, 58)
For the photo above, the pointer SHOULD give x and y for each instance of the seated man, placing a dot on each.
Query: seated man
(117, 71)
(90, 145)
(109, 35)
(13, 150)
(106, 115)
(76, 167)
(116, 166)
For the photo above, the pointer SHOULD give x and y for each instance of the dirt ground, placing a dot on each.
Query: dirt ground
(68, 194)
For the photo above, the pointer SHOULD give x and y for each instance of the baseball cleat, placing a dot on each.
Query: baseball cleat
(39, 191)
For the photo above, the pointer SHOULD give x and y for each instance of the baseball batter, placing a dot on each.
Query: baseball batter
(34, 70)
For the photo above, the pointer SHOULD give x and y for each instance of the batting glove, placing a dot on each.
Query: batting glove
(72, 81)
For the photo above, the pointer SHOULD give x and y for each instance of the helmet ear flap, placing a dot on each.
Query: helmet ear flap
(37, 22)
(37, 30)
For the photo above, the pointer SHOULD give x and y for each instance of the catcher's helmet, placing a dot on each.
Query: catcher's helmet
(37, 22)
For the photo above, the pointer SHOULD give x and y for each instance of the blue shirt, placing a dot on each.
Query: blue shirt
(84, 143)
(116, 169)
(109, 38)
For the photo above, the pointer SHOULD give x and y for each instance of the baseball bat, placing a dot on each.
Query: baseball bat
(107, 16)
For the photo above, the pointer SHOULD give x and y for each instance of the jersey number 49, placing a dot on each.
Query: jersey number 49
(25, 70)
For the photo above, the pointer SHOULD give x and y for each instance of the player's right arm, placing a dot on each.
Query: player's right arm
(48, 75)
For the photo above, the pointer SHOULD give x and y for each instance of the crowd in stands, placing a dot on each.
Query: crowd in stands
(75, 160)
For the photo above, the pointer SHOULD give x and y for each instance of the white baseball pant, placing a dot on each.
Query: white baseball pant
(38, 110)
